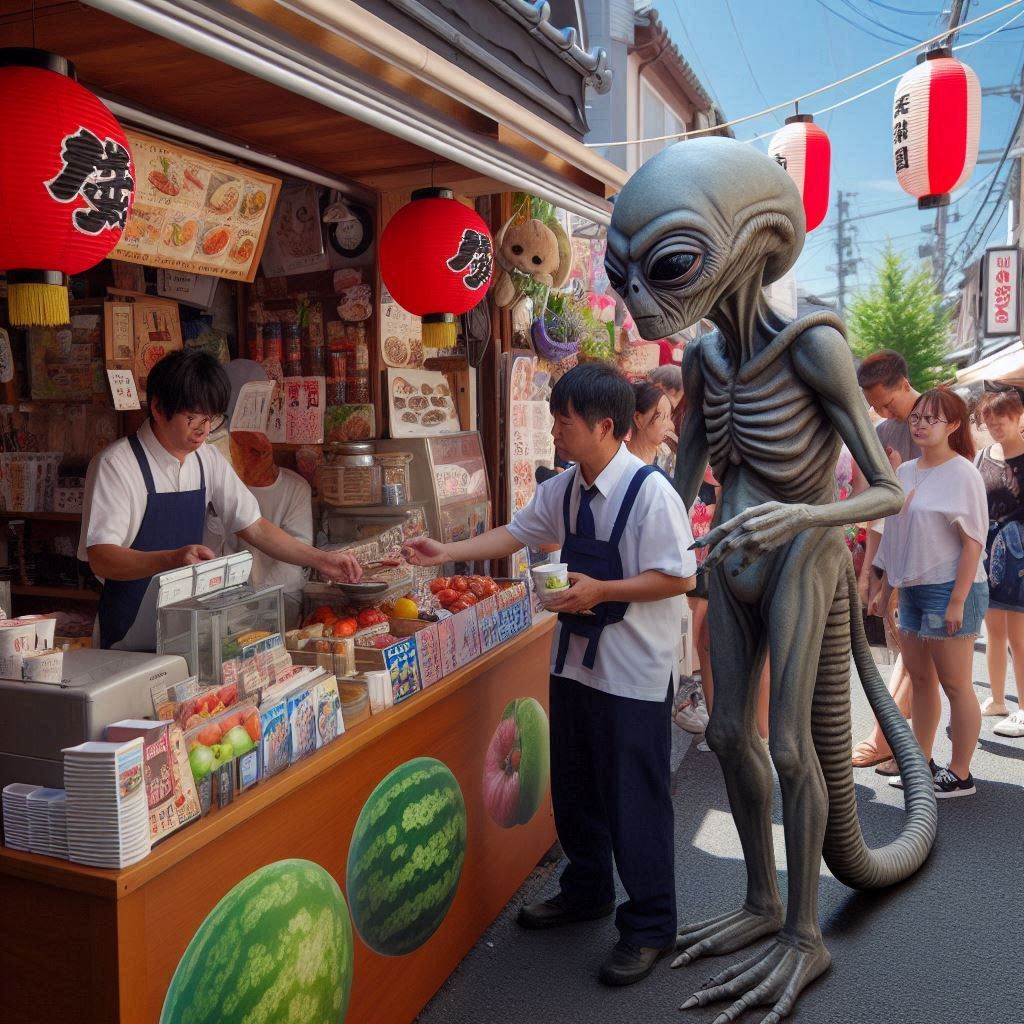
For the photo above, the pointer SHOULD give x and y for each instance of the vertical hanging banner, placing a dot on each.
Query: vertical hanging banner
(1001, 291)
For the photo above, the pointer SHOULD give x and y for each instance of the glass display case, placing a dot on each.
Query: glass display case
(449, 475)
(206, 631)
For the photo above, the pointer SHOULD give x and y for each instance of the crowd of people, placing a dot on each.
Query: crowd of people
(949, 564)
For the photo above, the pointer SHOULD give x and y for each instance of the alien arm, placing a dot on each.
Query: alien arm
(692, 453)
(822, 359)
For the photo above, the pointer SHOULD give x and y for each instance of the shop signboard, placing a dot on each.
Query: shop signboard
(194, 213)
(1001, 293)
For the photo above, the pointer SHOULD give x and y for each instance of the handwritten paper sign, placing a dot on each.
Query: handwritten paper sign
(252, 408)
(304, 409)
(122, 387)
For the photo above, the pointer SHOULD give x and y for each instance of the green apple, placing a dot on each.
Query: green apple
(222, 753)
(201, 760)
(239, 738)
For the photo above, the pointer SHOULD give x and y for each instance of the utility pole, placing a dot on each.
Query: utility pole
(845, 263)
(957, 13)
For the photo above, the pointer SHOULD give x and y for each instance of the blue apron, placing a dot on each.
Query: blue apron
(172, 520)
(599, 559)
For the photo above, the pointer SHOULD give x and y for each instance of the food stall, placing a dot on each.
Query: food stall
(254, 234)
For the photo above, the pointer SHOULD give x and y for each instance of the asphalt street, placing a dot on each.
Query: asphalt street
(945, 946)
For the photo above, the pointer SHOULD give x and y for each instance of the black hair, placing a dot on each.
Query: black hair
(887, 367)
(189, 380)
(646, 396)
(596, 391)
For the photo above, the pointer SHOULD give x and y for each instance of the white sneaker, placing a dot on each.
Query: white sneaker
(990, 709)
(1012, 726)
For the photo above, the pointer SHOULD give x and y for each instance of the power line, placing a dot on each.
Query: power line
(901, 10)
(888, 28)
(746, 59)
(807, 95)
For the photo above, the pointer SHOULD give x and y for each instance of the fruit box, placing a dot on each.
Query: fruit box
(504, 614)
(428, 647)
(399, 659)
(459, 639)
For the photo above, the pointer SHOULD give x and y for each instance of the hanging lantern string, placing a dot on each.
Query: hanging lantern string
(814, 92)
(889, 81)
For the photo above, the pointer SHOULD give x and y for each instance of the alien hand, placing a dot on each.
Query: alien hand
(754, 533)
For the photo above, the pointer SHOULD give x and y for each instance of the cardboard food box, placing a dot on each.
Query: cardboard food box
(459, 638)
(428, 647)
(504, 614)
(399, 659)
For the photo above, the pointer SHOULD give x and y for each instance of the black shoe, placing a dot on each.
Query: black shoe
(948, 784)
(897, 781)
(628, 964)
(555, 912)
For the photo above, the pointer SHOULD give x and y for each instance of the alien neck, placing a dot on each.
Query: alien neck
(746, 321)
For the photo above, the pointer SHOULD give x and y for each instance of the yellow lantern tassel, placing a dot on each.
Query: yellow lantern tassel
(440, 330)
(37, 299)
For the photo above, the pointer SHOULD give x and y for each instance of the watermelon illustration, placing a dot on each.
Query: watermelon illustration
(277, 949)
(406, 856)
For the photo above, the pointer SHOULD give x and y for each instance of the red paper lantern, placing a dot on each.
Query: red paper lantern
(436, 259)
(66, 183)
(803, 149)
(936, 122)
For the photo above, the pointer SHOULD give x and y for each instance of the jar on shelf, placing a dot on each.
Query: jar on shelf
(395, 479)
(254, 343)
(313, 361)
(350, 475)
(272, 341)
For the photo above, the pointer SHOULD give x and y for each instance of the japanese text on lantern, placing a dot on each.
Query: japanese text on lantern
(901, 132)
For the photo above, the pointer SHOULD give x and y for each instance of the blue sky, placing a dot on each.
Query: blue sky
(794, 46)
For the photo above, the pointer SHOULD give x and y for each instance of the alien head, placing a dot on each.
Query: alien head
(693, 225)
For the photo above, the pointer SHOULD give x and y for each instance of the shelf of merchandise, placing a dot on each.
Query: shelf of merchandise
(45, 517)
(66, 593)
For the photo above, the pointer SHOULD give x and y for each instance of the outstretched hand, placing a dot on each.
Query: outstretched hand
(754, 533)
(424, 551)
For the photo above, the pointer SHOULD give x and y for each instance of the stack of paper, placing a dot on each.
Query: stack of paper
(107, 813)
(17, 833)
(57, 808)
(40, 838)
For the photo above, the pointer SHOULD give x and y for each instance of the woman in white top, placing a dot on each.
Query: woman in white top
(931, 552)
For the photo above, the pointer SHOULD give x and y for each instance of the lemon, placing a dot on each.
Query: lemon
(405, 608)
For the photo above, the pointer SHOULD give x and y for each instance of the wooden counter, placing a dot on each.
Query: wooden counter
(88, 945)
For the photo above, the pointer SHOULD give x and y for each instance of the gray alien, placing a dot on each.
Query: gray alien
(695, 233)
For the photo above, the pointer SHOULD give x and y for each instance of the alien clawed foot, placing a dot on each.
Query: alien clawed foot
(773, 977)
(725, 934)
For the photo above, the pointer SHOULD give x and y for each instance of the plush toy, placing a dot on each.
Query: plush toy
(530, 249)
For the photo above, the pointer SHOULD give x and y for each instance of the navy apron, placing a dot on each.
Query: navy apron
(172, 520)
(599, 559)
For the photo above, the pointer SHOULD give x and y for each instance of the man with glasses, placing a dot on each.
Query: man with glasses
(146, 496)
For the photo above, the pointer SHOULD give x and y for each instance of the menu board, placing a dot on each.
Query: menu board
(530, 443)
(420, 403)
(195, 213)
(401, 334)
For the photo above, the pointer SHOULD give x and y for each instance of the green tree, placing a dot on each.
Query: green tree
(902, 310)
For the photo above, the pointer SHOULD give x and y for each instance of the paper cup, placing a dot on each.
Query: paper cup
(550, 581)
(379, 686)
(43, 666)
(16, 640)
(46, 628)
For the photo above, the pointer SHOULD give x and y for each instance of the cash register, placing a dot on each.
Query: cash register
(37, 720)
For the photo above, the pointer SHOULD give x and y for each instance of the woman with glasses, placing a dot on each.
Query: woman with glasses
(931, 551)
(1002, 469)
(146, 496)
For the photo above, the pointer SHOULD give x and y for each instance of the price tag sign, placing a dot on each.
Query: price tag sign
(123, 390)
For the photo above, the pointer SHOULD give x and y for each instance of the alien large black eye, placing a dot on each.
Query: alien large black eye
(673, 267)
(615, 279)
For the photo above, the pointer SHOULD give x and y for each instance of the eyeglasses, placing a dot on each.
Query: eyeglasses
(915, 418)
(198, 423)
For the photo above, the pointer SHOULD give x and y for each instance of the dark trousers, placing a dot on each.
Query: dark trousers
(610, 787)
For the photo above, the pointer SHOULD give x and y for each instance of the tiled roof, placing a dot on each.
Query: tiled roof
(535, 17)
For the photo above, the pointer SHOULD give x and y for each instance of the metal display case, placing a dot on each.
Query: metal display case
(203, 629)
(449, 474)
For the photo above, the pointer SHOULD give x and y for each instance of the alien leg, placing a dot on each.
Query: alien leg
(737, 654)
(806, 607)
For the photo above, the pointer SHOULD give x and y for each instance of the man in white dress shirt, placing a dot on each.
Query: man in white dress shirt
(146, 496)
(625, 535)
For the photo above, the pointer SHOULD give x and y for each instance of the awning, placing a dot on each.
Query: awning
(1006, 365)
(234, 37)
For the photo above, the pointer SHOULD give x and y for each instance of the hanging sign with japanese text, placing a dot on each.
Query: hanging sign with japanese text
(1002, 291)
(194, 213)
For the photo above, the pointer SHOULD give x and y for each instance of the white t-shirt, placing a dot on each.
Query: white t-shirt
(287, 503)
(115, 491)
(639, 655)
(921, 544)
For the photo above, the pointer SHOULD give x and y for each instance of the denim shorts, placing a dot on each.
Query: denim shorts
(923, 610)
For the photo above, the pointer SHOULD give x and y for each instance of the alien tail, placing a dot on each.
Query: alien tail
(845, 852)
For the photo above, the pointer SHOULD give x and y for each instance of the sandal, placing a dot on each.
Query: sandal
(866, 755)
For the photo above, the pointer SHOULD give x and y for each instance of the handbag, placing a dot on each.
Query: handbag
(1005, 564)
